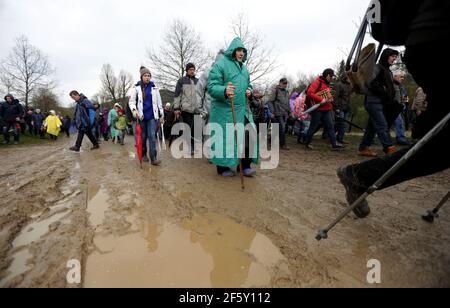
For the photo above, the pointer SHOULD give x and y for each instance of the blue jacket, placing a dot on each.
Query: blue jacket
(81, 117)
(38, 119)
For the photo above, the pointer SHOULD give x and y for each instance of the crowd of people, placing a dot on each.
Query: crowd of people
(224, 95)
(17, 120)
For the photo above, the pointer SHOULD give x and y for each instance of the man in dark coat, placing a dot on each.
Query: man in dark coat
(11, 113)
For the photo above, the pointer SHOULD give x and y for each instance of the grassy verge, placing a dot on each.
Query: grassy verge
(24, 141)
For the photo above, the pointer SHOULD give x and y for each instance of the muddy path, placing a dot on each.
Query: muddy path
(180, 225)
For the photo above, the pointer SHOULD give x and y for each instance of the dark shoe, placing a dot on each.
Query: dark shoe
(285, 148)
(145, 159)
(5, 142)
(309, 147)
(95, 147)
(75, 149)
(353, 192)
(338, 147)
(344, 142)
(156, 163)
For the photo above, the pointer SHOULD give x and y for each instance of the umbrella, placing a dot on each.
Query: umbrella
(139, 141)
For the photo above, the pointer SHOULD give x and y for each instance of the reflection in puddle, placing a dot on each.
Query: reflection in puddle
(34, 231)
(207, 251)
(18, 266)
(97, 205)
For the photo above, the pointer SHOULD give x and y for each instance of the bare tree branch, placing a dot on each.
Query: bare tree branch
(124, 84)
(109, 82)
(181, 45)
(25, 69)
(260, 59)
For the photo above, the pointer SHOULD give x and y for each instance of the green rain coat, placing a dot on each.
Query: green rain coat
(112, 116)
(225, 71)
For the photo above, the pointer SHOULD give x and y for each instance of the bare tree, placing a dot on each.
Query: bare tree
(124, 84)
(6, 83)
(109, 82)
(26, 69)
(181, 45)
(260, 59)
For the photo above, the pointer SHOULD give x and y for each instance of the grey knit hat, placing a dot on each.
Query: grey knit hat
(144, 71)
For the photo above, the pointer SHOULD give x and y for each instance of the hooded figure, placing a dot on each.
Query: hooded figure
(112, 117)
(53, 124)
(381, 107)
(225, 71)
(11, 109)
(381, 89)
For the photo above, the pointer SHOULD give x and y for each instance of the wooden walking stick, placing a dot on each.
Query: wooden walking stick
(237, 140)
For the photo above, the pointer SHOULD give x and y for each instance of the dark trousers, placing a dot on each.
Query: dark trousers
(8, 126)
(188, 118)
(89, 134)
(377, 125)
(282, 122)
(435, 156)
(325, 117)
(38, 131)
(30, 128)
(341, 126)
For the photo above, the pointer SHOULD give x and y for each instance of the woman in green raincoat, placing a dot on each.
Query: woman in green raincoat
(230, 78)
(112, 116)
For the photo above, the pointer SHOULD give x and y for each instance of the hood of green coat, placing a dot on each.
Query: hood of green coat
(235, 44)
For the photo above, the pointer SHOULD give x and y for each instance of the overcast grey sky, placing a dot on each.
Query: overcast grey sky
(79, 36)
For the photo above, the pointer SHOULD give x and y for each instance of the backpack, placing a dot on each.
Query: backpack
(308, 100)
(91, 117)
(361, 72)
(299, 102)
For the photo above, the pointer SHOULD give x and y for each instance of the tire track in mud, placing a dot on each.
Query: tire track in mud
(38, 213)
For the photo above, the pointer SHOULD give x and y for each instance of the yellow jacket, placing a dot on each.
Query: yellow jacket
(53, 124)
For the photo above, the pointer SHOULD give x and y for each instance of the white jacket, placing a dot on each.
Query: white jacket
(137, 102)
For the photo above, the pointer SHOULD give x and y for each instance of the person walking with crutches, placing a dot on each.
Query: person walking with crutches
(229, 86)
(422, 28)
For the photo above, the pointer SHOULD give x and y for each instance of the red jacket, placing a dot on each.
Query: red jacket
(319, 85)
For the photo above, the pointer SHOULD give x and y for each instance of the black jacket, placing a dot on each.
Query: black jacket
(9, 112)
(343, 94)
(381, 88)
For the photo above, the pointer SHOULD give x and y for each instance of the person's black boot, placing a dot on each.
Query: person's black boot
(75, 149)
(353, 191)
(95, 147)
